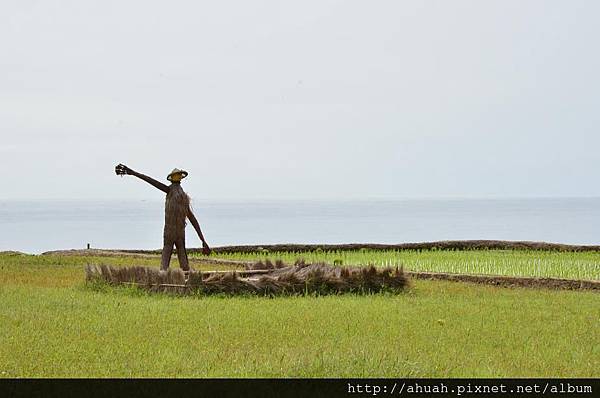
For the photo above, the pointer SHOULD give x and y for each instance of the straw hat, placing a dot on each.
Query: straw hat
(177, 171)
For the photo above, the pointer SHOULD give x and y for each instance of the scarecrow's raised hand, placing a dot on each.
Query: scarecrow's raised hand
(121, 170)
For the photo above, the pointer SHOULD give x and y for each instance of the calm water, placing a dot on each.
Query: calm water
(39, 226)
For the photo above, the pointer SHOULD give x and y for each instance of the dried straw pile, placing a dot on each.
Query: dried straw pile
(260, 278)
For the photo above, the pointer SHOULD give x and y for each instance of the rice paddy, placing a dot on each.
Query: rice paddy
(529, 263)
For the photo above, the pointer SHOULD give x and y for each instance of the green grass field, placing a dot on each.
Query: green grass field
(53, 325)
(569, 265)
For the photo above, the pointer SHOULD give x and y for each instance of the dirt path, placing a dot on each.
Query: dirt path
(510, 281)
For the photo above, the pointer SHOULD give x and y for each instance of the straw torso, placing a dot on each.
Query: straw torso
(176, 208)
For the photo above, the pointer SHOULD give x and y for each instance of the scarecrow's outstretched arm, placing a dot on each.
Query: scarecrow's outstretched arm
(121, 169)
(194, 221)
(152, 181)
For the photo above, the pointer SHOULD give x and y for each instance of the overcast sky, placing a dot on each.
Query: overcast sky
(300, 99)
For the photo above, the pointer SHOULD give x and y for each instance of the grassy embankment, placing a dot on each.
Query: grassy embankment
(51, 324)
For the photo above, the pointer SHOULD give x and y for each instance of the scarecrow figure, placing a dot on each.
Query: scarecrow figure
(177, 209)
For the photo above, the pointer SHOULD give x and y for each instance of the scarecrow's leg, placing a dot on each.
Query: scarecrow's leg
(166, 255)
(182, 254)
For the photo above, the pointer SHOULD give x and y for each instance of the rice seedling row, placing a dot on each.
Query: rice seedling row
(534, 263)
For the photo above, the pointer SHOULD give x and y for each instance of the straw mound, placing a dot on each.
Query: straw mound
(260, 278)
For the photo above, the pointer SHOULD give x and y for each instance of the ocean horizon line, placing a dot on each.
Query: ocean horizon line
(305, 199)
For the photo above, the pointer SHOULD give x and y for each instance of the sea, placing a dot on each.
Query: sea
(39, 226)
